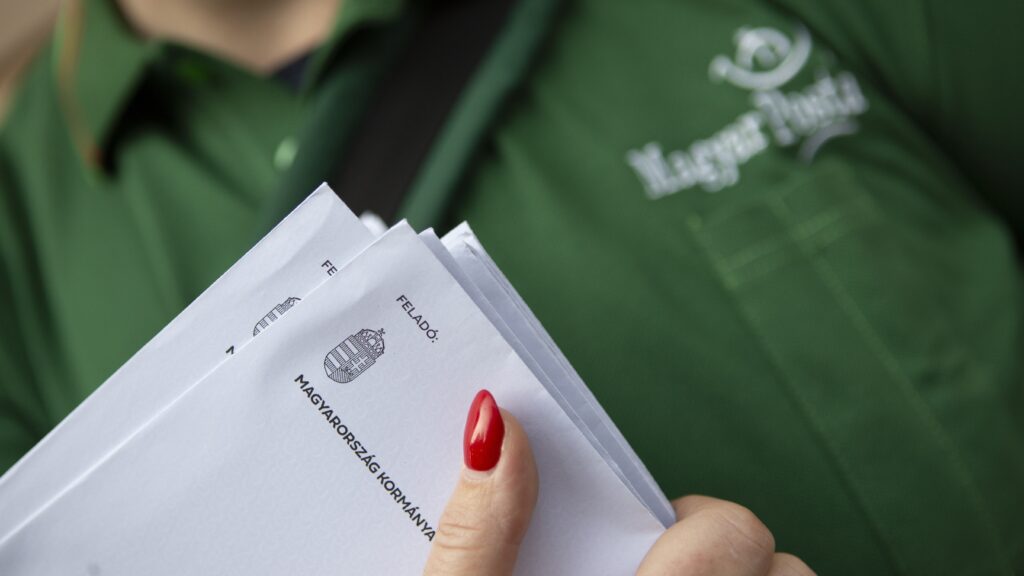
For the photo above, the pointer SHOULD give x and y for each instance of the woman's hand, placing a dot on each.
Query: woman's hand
(487, 516)
(712, 537)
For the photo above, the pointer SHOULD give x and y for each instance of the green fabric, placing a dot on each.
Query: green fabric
(502, 71)
(836, 342)
(801, 292)
(346, 89)
(126, 188)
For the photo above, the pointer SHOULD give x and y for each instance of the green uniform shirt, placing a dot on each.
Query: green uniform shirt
(777, 239)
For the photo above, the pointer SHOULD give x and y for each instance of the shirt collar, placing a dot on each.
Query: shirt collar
(354, 15)
(99, 62)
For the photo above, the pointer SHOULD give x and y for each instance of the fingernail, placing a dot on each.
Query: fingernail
(485, 430)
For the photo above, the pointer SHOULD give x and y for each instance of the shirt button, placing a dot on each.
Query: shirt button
(285, 154)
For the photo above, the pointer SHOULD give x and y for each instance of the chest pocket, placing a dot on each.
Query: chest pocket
(796, 260)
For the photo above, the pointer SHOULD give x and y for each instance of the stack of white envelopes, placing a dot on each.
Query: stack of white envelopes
(304, 416)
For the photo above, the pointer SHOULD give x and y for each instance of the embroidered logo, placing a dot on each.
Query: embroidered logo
(764, 61)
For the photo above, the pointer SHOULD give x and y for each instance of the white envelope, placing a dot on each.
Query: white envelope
(248, 472)
(288, 263)
(464, 256)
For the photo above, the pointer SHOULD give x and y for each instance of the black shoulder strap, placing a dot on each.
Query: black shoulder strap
(412, 101)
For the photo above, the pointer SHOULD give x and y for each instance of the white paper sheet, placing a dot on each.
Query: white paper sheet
(247, 473)
(286, 265)
(566, 385)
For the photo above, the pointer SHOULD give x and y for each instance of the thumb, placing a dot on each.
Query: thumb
(486, 518)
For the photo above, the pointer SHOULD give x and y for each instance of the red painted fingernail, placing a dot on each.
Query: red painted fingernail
(485, 430)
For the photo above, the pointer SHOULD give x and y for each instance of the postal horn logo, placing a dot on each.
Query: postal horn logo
(346, 361)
